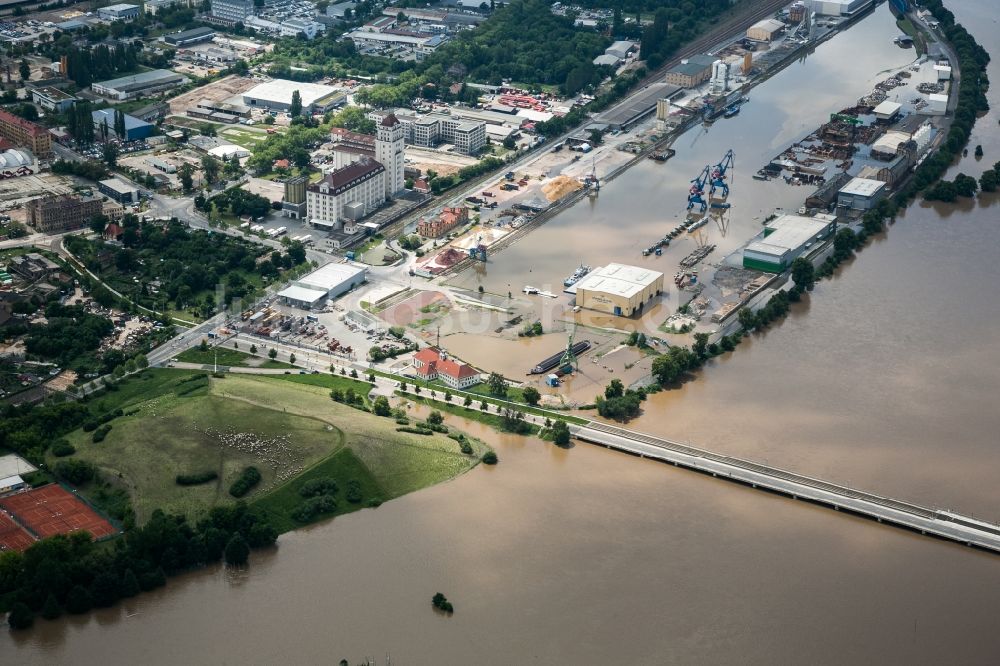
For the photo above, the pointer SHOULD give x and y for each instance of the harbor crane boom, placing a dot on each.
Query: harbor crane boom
(697, 191)
(719, 174)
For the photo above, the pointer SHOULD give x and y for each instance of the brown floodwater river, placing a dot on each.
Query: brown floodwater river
(886, 379)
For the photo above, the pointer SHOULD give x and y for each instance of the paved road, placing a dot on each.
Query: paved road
(947, 525)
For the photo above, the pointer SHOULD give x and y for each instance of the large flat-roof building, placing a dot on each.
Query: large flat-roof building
(135, 129)
(419, 44)
(618, 289)
(324, 283)
(691, 72)
(25, 133)
(861, 194)
(785, 239)
(52, 99)
(766, 30)
(139, 85)
(119, 190)
(276, 95)
(61, 212)
(118, 12)
(187, 37)
(839, 7)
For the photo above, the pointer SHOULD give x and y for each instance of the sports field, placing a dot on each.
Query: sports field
(52, 510)
(12, 535)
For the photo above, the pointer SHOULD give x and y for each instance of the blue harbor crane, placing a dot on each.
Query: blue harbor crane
(719, 174)
(695, 194)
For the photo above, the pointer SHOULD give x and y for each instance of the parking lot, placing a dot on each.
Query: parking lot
(95, 151)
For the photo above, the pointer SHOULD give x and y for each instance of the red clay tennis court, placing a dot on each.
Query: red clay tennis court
(52, 509)
(12, 535)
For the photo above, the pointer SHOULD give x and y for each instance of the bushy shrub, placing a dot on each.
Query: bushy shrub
(321, 486)
(353, 492)
(61, 448)
(314, 507)
(76, 472)
(197, 478)
(248, 479)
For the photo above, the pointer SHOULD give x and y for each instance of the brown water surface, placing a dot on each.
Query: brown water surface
(887, 378)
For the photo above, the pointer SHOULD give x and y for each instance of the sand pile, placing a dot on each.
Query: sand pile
(559, 187)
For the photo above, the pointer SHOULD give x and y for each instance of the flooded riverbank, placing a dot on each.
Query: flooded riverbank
(885, 379)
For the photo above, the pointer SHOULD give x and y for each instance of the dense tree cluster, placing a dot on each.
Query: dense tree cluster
(293, 145)
(238, 202)
(524, 41)
(74, 574)
(990, 180)
(619, 403)
(675, 22)
(187, 265)
(87, 65)
(950, 190)
(89, 169)
(69, 333)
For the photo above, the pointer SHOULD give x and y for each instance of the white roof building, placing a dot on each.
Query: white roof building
(861, 187)
(607, 59)
(619, 279)
(277, 94)
(888, 143)
(226, 151)
(887, 110)
(325, 282)
(620, 49)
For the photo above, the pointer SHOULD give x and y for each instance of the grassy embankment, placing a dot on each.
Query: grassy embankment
(908, 28)
(229, 358)
(286, 426)
(480, 393)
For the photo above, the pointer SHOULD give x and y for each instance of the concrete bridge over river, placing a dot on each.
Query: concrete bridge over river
(935, 522)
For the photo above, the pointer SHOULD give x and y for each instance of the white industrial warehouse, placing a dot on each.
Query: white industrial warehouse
(839, 7)
(618, 289)
(786, 238)
(861, 194)
(276, 95)
(324, 283)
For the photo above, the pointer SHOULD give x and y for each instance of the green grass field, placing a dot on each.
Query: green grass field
(245, 138)
(285, 425)
(171, 435)
(330, 382)
(228, 357)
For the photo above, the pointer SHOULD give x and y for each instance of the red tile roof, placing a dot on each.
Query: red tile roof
(455, 370)
(27, 125)
(434, 363)
(390, 120)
